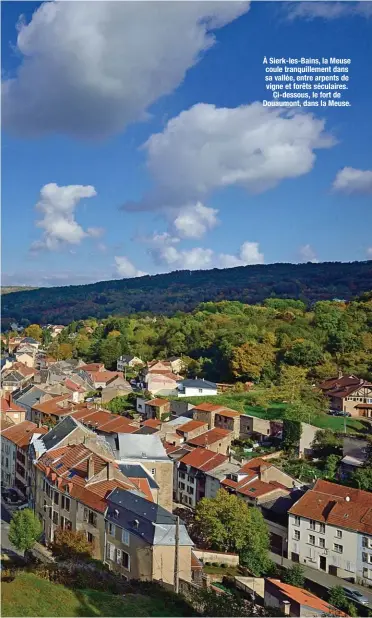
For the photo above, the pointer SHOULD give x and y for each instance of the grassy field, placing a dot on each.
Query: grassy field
(29, 595)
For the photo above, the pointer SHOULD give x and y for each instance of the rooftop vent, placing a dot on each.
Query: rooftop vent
(347, 498)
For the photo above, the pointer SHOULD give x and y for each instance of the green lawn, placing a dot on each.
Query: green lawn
(29, 595)
(323, 421)
(221, 570)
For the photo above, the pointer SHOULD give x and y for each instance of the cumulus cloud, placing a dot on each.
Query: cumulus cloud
(326, 10)
(206, 148)
(249, 253)
(199, 258)
(95, 232)
(307, 254)
(351, 180)
(89, 69)
(125, 268)
(194, 221)
(57, 206)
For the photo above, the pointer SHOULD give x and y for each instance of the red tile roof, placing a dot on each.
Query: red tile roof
(336, 505)
(190, 426)
(9, 406)
(157, 402)
(92, 367)
(22, 433)
(152, 422)
(306, 598)
(210, 437)
(104, 376)
(203, 459)
(207, 407)
(104, 420)
(53, 406)
(254, 464)
(342, 386)
(24, 369)
(72, 386)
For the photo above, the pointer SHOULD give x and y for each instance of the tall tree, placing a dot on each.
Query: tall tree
(34, 331)
(25, 529)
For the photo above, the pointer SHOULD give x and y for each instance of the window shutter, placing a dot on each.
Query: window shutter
(118, 556)
(365, 557)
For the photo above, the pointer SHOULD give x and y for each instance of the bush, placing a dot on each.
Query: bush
(70, 544)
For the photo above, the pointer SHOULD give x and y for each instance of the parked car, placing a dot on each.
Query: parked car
(10, 495)
(23, 506)
(354, 595)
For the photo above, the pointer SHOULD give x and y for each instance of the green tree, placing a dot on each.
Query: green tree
(248, 360)
(338, 599)
(207, 602)
(34, 330)
(326, 443)
(291, 383)
(25, 529)
(303, 354)
(331, 466)
(291, 435)
(362, 478)
(295, 575)
(228, 524)
(46, 337)
(109, 351)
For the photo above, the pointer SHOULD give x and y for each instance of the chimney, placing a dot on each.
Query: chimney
(90, 468)
(263, 474)
(339, 374)
(285, 606)
(110, 471)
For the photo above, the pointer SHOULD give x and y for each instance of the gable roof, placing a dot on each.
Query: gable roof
(199, 383)
(157, 402)
(203, 459)
(305, 598)
(210, 437)
(137, 446)
(9, 406)
(102, 420)
(342, 386)
(22, 433)
(336, 505)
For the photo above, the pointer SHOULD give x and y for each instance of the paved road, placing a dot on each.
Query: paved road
(6, 546)
(323, 579)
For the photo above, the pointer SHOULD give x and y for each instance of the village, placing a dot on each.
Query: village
(147, 464)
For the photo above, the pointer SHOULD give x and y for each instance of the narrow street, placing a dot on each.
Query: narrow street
(6, 546)
(323, 579)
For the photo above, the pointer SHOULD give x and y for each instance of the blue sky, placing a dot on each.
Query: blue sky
(139, 121)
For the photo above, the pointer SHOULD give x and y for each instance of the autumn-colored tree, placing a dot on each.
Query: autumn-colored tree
(34, 331)
(249, 359)
(114, 333)
(72, 544)
(65, 351)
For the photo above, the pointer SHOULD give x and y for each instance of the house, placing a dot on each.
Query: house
(11, 411)
(92, 367)
(141, 540)
(103, 422)
(55, 329)
(218, 417)
(349, 394)
(101, 379)
(128, 360)
(294, 601)
(164, 383)
(52, 409)
(330, 529)
(259, 428)
(26, 357)
(196, 388)
(157, 408)
(214, 477)
(308, 434)
(28, 397)
(15, 440)
(191, 474)
(259, 481)
(148, 450)
(275, 514)
(71, 485)
(176, 364)
(110, 392)
(17, 377)
(216, 440)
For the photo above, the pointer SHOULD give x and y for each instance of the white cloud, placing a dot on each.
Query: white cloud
(125, 268)
(351, 180)
(195, 220)
(206, 148)
(369, 252)
(57, 205)
(249, 253)
(95, 232)
(326, 10)
(307, 254)
(199, 258)
(89, 69)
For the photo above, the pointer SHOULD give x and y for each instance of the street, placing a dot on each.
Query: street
(323, 579)
(6, 546)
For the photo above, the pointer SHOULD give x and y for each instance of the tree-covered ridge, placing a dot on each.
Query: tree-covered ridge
(184, 290)
(279, 342)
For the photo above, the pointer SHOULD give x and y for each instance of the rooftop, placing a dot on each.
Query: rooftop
(157, 402)
(210, 437)
(22, 433)
(337, 505)
(305, 598)
(203, 459)
(137, 446)
(199, 383)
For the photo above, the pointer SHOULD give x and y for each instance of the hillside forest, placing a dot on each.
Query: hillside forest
(184, 290)
(230, 341)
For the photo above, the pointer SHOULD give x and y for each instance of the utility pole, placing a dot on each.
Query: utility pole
(176, 557)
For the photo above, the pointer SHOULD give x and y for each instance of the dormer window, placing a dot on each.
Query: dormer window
(116, 513)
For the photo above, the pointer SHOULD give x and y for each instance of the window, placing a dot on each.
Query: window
(322, 543)
(90, 517)
(110, 551)
(190, 490)
(90, 537)
(322, 528)
(311, 539)
(312, 524)
(111, 529)
(296, 535)
(181, 485)
(56, 498)
(338, 548)
(153, 471)
(367, 558)
(339, 534)
(125, 537)
(181, 475)
(297, 520)
(118, 556)
(126, 560)
(68, 524)
(55, 518)
(200, 390)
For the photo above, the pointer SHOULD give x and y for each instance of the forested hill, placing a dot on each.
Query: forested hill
(183, 290)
